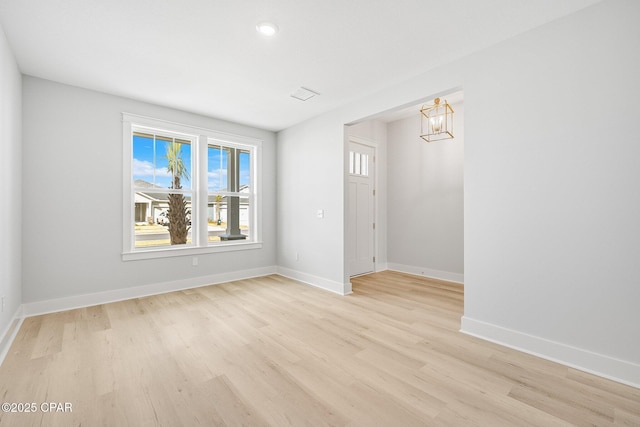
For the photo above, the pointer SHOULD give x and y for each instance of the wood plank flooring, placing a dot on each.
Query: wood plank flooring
(273, 352)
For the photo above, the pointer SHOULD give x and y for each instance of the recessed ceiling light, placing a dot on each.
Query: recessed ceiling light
(267, 28)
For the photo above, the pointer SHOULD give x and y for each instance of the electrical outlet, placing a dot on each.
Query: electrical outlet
(194, 261)
(297, 257)
(3, 304)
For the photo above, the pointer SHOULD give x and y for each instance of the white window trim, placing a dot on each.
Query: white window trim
(199, 244)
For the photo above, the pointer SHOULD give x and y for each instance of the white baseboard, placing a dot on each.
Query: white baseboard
(584, 360)
(87, 300)
(427, 272)
(6, 339)
(318, 282)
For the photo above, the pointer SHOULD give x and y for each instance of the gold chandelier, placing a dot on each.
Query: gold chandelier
(436, 121)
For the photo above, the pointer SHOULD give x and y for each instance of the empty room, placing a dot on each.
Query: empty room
(362, 213)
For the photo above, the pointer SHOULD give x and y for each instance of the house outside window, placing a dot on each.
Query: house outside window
(188, 190)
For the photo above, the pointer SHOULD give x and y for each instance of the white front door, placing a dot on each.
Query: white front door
(360, 245)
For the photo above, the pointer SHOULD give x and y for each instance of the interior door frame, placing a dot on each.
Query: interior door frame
(374, 165)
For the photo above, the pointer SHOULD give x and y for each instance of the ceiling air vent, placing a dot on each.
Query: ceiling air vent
(304, 94)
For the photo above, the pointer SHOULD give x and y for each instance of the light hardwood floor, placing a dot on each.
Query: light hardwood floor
(270, 351)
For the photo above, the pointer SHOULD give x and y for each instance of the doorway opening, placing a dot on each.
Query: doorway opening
(416, 218)
(362, 213)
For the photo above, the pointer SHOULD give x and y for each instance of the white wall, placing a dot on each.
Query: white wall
(551, 187)
(551, 191)
(73, 197)
(310, 178)
(10, 188)
(426, 200)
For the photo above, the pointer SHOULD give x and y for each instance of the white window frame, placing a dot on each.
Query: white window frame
(201, 138)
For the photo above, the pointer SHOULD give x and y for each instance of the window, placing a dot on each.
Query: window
(188, 190)
(358, 163)
(229, 191)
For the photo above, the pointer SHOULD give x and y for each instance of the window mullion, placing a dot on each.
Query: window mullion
(201, 190)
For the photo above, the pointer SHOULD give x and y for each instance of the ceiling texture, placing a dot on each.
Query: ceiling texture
(206, 57)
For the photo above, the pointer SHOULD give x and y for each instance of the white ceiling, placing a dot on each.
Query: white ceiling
(205, 56)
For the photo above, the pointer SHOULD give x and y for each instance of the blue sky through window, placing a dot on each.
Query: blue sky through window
(245, 175)
(150, 161)
(217, 169)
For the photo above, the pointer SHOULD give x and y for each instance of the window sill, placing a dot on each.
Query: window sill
(188, 251)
